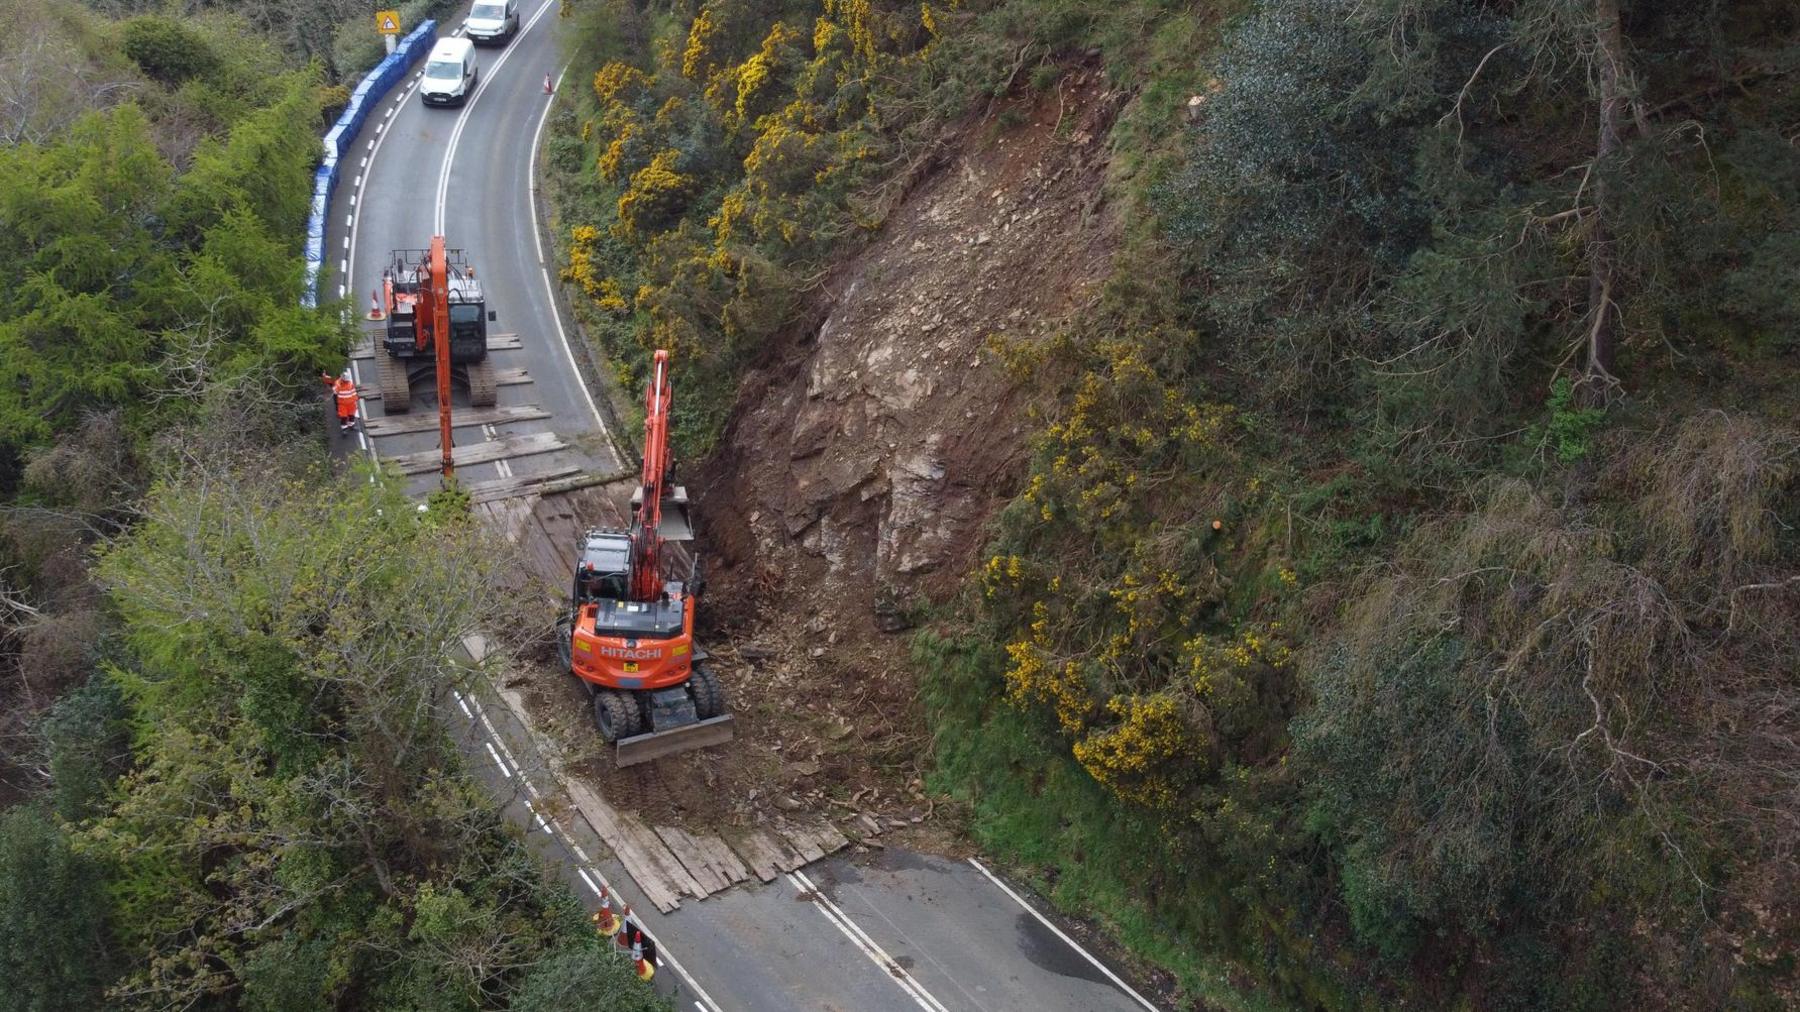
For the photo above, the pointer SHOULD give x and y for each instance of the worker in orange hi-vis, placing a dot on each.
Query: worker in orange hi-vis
(344, 389)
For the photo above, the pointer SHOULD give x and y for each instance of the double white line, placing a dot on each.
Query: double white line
(860, 938)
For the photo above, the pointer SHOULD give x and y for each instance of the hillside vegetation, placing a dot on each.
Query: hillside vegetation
(221, 663)
(1397, 604)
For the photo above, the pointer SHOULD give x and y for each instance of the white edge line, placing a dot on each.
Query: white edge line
(374, 149)
(879, 956)
(497, 761)
(544, 269)
(1045, 921)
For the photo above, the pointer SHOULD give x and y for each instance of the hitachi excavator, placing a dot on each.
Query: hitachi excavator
(433, 293)
(629, 632)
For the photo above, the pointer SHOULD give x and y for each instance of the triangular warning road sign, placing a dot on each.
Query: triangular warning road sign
(389, 25)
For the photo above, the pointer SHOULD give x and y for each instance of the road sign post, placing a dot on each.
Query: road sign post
(388, 24)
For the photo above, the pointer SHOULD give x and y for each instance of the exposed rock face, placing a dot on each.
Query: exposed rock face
(863, 459)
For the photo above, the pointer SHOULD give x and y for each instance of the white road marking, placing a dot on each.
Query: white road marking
(374, 149)
(347, 219)
(462, 121)
(914, 990)
(1045, 921)
(544, 269)
(663, 955)
(465, 708)
(503, 770)
(342, 266)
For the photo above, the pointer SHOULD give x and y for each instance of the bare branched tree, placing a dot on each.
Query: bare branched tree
(45, 81)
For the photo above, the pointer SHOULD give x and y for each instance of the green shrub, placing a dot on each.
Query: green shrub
(167, 50)
(55, 952)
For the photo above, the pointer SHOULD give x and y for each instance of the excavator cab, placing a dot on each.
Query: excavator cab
(604, 571)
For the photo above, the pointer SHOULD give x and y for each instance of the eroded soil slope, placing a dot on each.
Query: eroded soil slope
(861, 462)
(864, 456)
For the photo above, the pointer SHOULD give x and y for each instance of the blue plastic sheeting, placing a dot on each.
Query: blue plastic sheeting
(368, 94)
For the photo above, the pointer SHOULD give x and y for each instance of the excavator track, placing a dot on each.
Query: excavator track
(396, 390)
(483, 387)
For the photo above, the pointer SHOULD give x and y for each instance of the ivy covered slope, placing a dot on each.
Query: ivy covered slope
(223, 783)
(1398, 604)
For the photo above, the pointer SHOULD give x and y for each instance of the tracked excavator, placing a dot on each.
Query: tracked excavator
(434, 304)
(629, 631)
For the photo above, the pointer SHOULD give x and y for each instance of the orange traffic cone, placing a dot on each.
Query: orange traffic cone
(622, 937)
(643, 966)
(375, 310)
(606, 923)
(546, 84)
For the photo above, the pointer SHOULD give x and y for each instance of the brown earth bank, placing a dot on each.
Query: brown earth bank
(865, 454)
(863, 457)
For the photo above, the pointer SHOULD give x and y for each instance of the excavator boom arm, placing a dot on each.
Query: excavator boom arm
(646, 577)
(434, 313)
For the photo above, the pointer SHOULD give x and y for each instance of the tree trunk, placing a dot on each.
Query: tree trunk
(1598, 380)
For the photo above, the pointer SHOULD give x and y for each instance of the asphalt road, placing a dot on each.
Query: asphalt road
(466, 172)
(890, 930)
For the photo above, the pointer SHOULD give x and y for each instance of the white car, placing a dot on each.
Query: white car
(492, 21)
(450, 73)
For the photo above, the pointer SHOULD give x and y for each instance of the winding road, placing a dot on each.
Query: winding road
(889, 930)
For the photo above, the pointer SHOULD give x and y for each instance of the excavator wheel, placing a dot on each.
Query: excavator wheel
(709, 695)
(565, 644)
(483, 390)
(396, 390)
(616, 715)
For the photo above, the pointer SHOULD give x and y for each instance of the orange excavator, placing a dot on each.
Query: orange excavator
(629, 632)
(436, 322)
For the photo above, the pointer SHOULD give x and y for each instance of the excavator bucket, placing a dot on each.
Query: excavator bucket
(675, 524)
(642, 748)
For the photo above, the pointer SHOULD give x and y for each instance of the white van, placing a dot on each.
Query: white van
(492, 21)
(450, 73)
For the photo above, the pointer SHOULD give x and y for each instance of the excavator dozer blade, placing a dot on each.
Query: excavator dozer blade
(642, 748)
